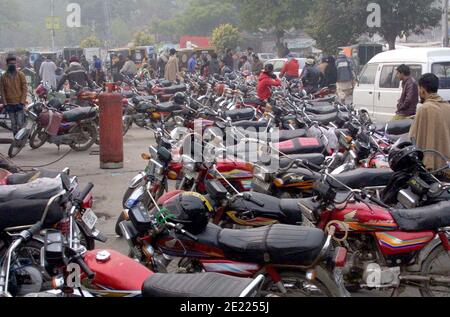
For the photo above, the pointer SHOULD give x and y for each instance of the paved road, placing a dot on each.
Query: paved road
(110, 185)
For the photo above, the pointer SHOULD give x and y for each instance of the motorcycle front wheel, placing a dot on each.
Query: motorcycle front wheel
(38, 139)
(436, 265)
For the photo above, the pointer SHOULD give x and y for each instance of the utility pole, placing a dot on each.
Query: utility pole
(53, 24)
(445, 40)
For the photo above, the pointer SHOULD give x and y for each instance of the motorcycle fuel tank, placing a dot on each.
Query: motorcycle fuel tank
(115, 274)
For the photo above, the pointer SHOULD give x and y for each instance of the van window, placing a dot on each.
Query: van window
(388, 78)
(442, 70)
(368, 75)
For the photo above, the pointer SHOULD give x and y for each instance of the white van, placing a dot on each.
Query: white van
(378, 90)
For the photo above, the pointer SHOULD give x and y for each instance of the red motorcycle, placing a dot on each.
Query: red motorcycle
(296, 261)
(390, 248)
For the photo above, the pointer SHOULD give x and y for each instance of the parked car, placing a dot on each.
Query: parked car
(278, 64)
(263, 57)
(378, 90)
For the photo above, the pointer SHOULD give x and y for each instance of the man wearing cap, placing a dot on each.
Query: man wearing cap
(345, 77)
(311, 76)
(13, 93)
(291, 68)
(76, 75)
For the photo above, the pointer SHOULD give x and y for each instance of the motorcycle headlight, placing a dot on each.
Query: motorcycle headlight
(262, 174)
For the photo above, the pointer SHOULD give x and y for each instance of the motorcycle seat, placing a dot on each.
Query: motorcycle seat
(128, 94)
(254, 101)
(278, 244)
(205, 285)
(79, 114)
(282, 136)
(300, 146)
(325, 100)
(174, 89)
(165, 83)
(22, 178)
(320, 109)
(271, 208)
(144, 107)
(139, 99)
(395, 127)
(286, 135)
(168, 107)
(42, 188)
(365, 177)
(425, 218)
(251, 124)
(314, 158)
(240, 114)
(326, 119)
(24, 212)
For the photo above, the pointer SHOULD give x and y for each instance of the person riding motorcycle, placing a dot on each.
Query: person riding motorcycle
(311, 76)
(290, 69)
(266, 81)
(76, 75)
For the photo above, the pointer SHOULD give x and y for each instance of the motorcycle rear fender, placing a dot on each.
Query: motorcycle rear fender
(423, 255)
(136, 181)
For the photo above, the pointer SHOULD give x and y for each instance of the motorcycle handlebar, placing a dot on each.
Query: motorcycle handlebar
(79, 260)
(35, 228)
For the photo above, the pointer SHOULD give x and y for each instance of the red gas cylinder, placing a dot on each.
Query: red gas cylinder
(111, 131)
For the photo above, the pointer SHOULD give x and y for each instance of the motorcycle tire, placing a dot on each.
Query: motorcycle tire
(38, 139)
(15, 148)
(139, 123)
(427, 266)
(92, 139)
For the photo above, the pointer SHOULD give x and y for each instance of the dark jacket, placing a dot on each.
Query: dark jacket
(214, 67)
(228, 59)
(344, 69)
(75, 74)
(311, 76)
(407, 105)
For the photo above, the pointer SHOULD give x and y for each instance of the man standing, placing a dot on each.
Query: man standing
(291, 68)
(224, 69)
(228, 59)
(246, 65)
(13, 91)
(258, 65)
(345, 77)
(129, 68)
(192, 64)
(172, 69)
(84, 63)
(431, 128)
(214, 67)
(311, 76)
(407, 105)
(76, 75)
(48, 72)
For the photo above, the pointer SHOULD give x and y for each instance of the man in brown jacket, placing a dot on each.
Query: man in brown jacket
(407, 105)
(431, 128)
(13, 91)
(172, 69)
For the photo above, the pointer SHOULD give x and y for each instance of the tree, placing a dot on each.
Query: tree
(226, 36)
(90, 41)
(402, 18)
(143, 38)
(275, 16)
(337, 25)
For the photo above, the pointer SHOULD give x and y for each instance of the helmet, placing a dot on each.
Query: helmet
(179, 98)
(192, 210)
(404, 156)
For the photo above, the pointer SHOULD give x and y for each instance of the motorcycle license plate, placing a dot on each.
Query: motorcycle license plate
(90, 219)
(190, 175)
